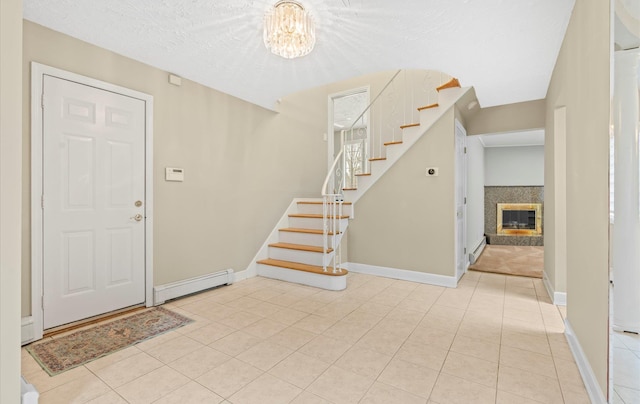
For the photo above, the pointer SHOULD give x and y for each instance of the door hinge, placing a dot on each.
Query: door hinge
(465, 150)
(465, 250)
(42, 100)
(465, 200)
(42, 201)
(42, 301)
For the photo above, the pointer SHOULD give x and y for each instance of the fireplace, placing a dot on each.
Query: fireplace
(519, 219)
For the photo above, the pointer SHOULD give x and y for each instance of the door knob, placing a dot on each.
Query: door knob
(137, 217)
(138, 203)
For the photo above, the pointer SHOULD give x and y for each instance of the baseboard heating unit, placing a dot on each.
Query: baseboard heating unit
(173, 290)
(473, 256)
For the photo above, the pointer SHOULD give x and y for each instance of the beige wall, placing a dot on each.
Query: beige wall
(580, 82)
(407, 220)
(508, 118)
(243, 164)
(10, 145)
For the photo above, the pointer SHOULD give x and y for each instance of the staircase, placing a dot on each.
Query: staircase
(307, 250)
(302, 253)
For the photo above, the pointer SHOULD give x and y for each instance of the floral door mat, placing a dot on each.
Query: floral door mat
(60, 354)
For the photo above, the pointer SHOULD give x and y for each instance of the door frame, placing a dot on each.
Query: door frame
(459, 128)
(346, 93)
(38, 71)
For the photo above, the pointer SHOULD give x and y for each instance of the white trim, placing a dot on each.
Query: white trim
(27, 330)
(242, 276)
(173, 290)
(586, 371)
(403, 274)
(459, 128)
(37, 72)
(263, 252)
(28, 392)
(558, 298)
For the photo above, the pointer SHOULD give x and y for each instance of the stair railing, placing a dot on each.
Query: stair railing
(332, 198)
(379, 124)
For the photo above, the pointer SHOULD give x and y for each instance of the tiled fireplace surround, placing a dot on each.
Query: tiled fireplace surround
(509, 194)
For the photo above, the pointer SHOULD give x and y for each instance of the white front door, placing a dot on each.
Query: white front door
(461, 200)
(93, 201)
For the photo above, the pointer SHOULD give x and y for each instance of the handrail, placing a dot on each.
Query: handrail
(339, 156)
(332, 202)
(331, 170)
(374, 100)
(392, 110)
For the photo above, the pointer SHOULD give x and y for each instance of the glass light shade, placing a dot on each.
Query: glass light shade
(289, 30)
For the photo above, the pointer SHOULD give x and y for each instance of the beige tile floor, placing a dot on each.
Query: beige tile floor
(494, 339)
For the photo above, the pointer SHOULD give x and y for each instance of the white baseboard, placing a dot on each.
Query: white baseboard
(169, 291)
(27, 330)
(28, 392)
(558, 298)
(588, 377)
(403, 274)
(242, 276)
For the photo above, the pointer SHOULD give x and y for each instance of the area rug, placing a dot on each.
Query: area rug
(67, 352)
(511, 260)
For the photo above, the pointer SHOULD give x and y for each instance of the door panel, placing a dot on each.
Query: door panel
(78, 262)
(93, 174)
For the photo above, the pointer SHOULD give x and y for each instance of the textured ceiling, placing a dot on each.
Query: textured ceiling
(506, 49)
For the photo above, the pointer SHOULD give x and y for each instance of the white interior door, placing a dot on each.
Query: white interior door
(93, 201)
(461, 200)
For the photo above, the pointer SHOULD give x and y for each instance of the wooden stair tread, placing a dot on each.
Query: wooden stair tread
(409, 125)
(302, 267)
(392, 143)
(377, 158)
(299, 247)
(308, 231)
(319, 202)
(363, 174)
(429, 106)
(349, 189)
(449, 84)
(315, 216)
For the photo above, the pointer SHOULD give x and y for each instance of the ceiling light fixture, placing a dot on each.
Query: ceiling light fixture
(289, 30)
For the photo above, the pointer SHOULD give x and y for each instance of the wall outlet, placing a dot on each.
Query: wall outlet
(432, 172)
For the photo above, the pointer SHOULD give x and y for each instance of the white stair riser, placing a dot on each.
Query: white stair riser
(304, 278)
(316, 209)
(303, 257)
(314, 223)
(303, 238)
